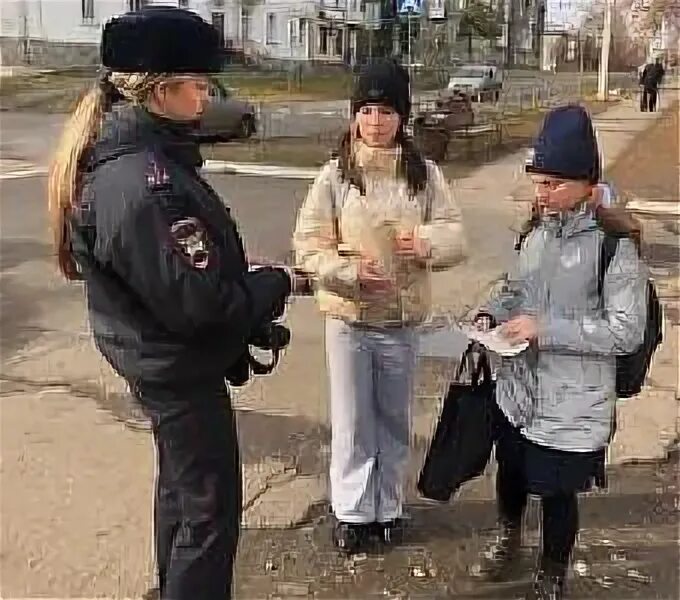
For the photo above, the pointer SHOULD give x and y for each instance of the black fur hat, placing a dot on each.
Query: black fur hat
(160, 39)
(384, 81)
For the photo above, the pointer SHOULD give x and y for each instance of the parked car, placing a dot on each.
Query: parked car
(452, 110)
(433, 129)
(479, 81)
(225, 117)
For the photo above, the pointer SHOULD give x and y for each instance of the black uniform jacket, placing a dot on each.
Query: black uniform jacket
(169, 293)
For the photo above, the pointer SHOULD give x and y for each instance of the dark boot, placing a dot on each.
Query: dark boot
(152, 594)
(351, 537)
(500, 558)
(390, 533)
(547, 586)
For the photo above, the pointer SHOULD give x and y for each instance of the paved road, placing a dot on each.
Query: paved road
(265, 209)
(628, 543)
(29, 136)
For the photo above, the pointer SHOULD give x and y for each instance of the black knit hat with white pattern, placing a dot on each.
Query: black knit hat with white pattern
(383, 82)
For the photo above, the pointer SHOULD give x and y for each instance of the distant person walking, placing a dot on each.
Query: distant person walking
(650, 80)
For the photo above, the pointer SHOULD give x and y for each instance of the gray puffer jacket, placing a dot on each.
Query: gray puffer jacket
(561, 391)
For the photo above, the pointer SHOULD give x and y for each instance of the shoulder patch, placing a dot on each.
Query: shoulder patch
(191, 239)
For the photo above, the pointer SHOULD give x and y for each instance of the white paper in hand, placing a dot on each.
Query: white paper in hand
(495, 342)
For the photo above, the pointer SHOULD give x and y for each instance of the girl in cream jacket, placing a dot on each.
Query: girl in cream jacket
(375, 223)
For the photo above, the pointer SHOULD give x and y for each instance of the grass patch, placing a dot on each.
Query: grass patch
(46, 92)
(278, 87)
(41, 82)
(270, 87)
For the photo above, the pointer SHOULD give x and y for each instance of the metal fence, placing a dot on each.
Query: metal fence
(325, 120)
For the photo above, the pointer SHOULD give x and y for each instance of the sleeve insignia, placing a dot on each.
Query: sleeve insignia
(191, 238)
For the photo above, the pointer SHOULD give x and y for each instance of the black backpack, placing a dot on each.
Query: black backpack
(631, 369)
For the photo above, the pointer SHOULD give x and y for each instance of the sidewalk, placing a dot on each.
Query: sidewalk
(649, 178)
(83, 517)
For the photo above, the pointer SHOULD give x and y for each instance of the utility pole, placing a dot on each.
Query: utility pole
(510, 42)
(603, 74)
(410, 57)
(580, 64)
(23, 12)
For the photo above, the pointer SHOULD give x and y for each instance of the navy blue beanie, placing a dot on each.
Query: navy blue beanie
(566, 146)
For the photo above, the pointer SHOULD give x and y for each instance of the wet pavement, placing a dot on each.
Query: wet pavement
(627, 548)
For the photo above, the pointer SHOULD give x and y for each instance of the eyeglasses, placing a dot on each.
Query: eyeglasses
(550, 184)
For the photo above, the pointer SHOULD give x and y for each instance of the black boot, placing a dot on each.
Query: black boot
(152, 594)
(350, 537)
(391, 533)
(500, 558)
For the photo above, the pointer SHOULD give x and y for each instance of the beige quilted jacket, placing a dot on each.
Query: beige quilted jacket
(367, 225)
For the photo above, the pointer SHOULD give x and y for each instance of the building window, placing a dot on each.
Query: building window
(571, 50)
(270, 33)
(324, 42)
(245, 25)
(373, 14)
(330, 41)
(436, 9)
(137, 4)
(218, 23)
(87, 10)
(295, 28)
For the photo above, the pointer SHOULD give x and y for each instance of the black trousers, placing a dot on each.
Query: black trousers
(198, 489)
(648, 99)
(559, 524)
(560, 506)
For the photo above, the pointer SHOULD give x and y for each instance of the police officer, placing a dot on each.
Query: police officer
(172, 303)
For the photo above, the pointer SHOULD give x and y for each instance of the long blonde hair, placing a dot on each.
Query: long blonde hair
(65, 172)
(79, 133)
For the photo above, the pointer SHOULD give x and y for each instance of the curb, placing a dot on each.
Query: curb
(258, 170)
(21, 170)
(671, 209)
(215, 167)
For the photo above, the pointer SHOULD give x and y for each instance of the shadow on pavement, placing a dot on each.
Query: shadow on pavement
(20, 299)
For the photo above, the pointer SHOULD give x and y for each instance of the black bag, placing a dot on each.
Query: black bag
(631, 369)
(461, 446)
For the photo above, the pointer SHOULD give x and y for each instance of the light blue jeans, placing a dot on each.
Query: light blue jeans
(371, 375)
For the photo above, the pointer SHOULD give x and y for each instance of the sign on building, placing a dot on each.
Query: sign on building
(413, 7)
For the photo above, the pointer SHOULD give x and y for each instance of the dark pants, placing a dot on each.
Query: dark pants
(556, 476)
(648, 99)
(198, 489)
(560, 517)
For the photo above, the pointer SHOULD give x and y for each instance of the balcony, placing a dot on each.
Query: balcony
(356, 11)
(436, 10)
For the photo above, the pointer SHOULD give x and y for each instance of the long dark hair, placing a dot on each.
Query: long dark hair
(411, 167)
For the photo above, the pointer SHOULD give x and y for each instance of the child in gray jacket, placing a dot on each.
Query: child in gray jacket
(557, 399)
